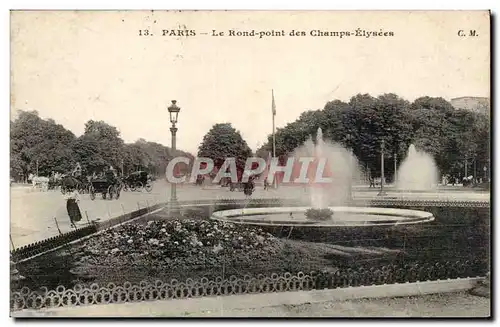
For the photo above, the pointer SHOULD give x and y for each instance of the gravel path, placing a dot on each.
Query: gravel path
(436, 305)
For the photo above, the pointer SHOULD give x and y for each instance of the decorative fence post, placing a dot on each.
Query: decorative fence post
(57, 225)
(87, 215)
(12, 242)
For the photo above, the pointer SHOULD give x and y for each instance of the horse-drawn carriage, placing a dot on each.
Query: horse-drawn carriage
(109, 188)
(54, 183)
(70, 182)
(137, 181)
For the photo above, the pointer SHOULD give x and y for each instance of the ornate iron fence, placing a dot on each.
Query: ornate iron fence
(159, 290)
(40, 247)
(430, 203)
(386, 202)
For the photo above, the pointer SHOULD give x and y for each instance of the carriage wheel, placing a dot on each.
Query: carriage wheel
(139, 186)
(133, 187)
(149, 187)
(111, 191)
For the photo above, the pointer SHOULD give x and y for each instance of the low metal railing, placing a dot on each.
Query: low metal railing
(159, 290)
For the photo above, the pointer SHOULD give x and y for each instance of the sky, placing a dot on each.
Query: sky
(75, 66)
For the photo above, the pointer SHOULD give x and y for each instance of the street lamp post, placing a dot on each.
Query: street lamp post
(382, 148)
(395, 167)
(475, 176)
(351, 157)
(174, 114)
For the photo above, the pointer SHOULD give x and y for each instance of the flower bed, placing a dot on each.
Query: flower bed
(201, 241)
(189, 249)
(459, 233)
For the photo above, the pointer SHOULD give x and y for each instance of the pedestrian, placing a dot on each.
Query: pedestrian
(72, 207)
(266, 184)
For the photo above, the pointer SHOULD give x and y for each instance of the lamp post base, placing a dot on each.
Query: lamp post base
(173, 208)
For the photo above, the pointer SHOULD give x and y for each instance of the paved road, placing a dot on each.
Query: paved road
(33, 213)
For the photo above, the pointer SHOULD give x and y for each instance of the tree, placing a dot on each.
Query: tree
(467, 140)
(89, 154)
(99, 146)
(333, 121)
(369, 121)
(293, 134)
(434, 131)
(153, 157)
(48, 146)
(223, 141)
(483, 143)
(432, 124)
(39, 144)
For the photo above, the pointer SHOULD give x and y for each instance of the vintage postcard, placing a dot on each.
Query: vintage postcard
(250, 164)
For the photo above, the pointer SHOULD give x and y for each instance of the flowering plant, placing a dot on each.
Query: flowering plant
(318, 214)
(178, 244)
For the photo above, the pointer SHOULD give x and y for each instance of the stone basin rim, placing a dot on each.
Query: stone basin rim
(407, 216)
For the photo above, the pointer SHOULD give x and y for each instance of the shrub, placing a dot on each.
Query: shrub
(319, 214)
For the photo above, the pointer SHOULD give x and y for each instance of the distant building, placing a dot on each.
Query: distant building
(475, 104)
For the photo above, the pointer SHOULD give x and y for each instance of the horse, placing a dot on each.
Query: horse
(55, 180)
(39, 181)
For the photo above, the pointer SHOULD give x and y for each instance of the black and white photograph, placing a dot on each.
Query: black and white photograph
(250, 164)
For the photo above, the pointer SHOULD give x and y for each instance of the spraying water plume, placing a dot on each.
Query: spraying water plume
(417, 172)
(342, 166)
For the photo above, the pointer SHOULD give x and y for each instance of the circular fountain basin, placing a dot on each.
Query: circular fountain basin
(342, 217)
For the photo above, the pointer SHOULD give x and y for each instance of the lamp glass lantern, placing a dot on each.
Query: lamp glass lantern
(174, 112)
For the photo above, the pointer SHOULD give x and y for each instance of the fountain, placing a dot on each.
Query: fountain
(328, 202)
(341, 166)
(417, 172)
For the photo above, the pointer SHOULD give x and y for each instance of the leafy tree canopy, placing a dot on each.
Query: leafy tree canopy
(223, 141)
(48, 146)
(432, 124)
